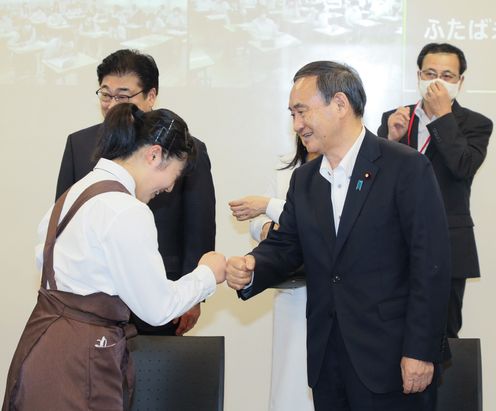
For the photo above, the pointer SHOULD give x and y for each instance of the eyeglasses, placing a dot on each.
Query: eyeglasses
(433, 75)
(119, 98)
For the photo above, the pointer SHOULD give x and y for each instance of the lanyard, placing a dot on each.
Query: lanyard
(412, 117)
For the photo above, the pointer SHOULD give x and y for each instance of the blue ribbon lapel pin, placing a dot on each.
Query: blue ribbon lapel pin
(359, 185)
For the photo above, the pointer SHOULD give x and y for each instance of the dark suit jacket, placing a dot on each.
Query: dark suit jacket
(457, 149)
(386, 275)
(185, 218)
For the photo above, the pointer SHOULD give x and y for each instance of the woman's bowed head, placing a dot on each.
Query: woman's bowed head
(154, 147)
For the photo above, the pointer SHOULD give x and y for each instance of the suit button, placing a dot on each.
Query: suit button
(336, 279)
(331, 314)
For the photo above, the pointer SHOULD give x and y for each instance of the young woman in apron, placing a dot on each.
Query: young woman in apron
(99, 260)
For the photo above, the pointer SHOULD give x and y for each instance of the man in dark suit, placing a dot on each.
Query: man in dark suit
(455, 140)
(185, 218)
(368, 222)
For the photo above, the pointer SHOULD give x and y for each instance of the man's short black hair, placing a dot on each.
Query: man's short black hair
(126, 61)
(435, 48)
(334, 77)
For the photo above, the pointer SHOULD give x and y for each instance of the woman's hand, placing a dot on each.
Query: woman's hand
(266, 228)
(249, 207)
(217, 263)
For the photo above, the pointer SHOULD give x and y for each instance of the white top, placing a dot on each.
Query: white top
(276, 191)
(111, 246)
(340, 177)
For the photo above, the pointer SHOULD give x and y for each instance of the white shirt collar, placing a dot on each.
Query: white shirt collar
(423, 117)
(118, 172)
(347, 163)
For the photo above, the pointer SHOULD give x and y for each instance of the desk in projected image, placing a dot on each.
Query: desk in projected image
(199, 62)
(333, 30)
(366, 23)
(75, 68)
(278, 42)
(146, 42)
(176, 33)
(26, 58)
(216, 17)
(64, 64)
(95, 35)
(33, 47)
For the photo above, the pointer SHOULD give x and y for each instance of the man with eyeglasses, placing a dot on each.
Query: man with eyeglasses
(455, 140)
(185, 218)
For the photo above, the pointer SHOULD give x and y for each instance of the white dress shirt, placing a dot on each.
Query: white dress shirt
(111, 246)
(339, 177)
(423, 133)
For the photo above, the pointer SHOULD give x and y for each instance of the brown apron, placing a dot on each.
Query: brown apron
(73, 353)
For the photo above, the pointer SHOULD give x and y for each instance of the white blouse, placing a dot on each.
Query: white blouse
(276, 191)
(111, 246)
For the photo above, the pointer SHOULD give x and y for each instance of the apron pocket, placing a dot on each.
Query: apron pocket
(106, 373)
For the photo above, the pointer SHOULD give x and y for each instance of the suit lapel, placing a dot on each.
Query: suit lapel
(364, 173)
(431, 151)
(458, 112)
(414, 130)
(320, 198)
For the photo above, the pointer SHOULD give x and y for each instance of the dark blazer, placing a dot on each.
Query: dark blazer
(185, 218)
(457, 149)
(385, 276)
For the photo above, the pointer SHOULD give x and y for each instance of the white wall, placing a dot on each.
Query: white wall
(237, 105)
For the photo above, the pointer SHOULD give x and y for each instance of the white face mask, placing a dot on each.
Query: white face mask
(451, 87)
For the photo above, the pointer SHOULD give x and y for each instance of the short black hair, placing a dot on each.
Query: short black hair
(334, 77)
(122, 62)
(435, 48)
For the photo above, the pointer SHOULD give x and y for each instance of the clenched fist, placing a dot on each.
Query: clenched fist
(217, 263)
(240, 271)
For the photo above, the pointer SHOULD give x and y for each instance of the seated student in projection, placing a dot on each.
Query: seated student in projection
(99, 262)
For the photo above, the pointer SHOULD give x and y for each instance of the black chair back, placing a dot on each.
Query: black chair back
(178, 373)
(461, 382)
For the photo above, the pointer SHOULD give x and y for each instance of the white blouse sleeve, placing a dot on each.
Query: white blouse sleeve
(274, 208)
(136, 267)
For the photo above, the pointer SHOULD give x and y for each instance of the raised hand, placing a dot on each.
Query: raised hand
(398, 123)
(249, 207)
(437, 100)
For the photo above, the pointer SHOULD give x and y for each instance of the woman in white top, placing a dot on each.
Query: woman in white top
(289, 387)
(101, 263)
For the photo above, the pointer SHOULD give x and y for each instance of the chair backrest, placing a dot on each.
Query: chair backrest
(461, 381)
(178, 373)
